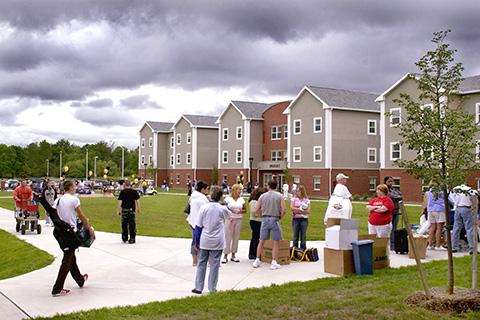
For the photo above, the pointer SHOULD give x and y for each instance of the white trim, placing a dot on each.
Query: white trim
(399, 150)
(368, 155)
(314, 125)
(382, 134)
(283, 131)
(172, 142)
(278, 133)
(321, 151)
(179, 135)
(300, 154)
(328, 138)
(392, 125)
(278, 155)
(305, 88)
(142, 143)
(313, 182)
(219, 152)
(178, 158)
(155, 150)
(241, 133)
(236, 156)
(186, 158)
(150, 142)
(289, 139)
(219, 120)
(223, 135)
(246, 143)
(368, 127)
(188, 137)
(381, 97)
(174, 149)
(375, 184)
(477, 113)
(223, 157)
(194, 148)
(297, 133)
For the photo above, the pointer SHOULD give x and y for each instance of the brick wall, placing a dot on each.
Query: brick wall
(410, 187)
(274, 116)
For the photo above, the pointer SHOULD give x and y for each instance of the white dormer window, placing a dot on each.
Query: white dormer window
(179, 138)
(239, 133)
(143, 143)
(150, 142)
(189, 137)
(225, 134)
(372, 127)
(395, 117)
(317, 125)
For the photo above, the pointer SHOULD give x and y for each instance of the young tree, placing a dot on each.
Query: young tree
(437, 129)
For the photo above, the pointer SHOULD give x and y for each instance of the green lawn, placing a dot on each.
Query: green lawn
(379, 296)
(19, 257)
(162, 215)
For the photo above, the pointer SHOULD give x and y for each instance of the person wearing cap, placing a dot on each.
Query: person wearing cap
(341, 189)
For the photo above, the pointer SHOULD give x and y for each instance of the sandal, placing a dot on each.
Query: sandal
(234, 260)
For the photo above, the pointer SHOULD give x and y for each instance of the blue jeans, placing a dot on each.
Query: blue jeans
(299, 226)
(215, 256)
(463, 217)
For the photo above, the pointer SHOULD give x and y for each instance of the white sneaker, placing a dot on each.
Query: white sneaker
(274, 265)
(256, 263)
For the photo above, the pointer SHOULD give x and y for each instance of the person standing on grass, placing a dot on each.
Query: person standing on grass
(50, 194)
(236, 204)
(301, 208)
(396, 197)
(197, 200)
(463, 199)
(128, 206)
(272, 208)
(210, 240)
(68, 209)
(436, 217)
(255, 221)
(380, 208)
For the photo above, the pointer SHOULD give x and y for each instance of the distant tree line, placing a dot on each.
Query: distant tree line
(33, 160)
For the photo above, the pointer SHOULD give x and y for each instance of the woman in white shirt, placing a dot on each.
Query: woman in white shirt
(233, 226)
(197, 200)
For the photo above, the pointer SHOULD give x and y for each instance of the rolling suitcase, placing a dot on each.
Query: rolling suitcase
(401, 241)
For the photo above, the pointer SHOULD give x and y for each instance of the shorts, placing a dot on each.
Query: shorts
(382, 231)
(271, 225)
(436, 217)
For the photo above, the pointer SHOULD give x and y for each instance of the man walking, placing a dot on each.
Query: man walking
(128, 204)
(462, 197)
(272, 208)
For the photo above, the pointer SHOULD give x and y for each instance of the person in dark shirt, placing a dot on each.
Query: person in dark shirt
(128, 205)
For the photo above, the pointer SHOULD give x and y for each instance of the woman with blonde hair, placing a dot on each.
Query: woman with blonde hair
(233, 226)
(301, 207)
(381, 209)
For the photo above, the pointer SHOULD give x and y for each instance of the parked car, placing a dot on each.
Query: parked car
(84, 190)
(12, 184)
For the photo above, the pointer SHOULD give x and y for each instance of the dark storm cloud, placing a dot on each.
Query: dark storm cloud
(268, 47)
(141, 101)
(103, 117)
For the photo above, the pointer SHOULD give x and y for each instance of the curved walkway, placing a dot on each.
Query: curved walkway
(153, 269)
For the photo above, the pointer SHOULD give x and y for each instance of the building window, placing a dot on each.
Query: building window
(372, 183)
(395, 116)
(177, 179)
(239, 133)
(276, 155)
(275, 133)
(285, 132)
(297, 126)
(296, 179)
(477, 112)
(224, 178)
(179, 138)
(316, 183)
(317, 125)
(395, 151)
(189, 158)
(372, 127)
(172, 142)
(317, 153)
(150, 160)
(297, 154)
(225, 134)
(187, 179)
(372, 155)
(396, 182)
(150, 142)
(189, 137)
(179, 158)
(143, 160)
(238, 157)
(172, 160)
(143, 143)
(225, 157)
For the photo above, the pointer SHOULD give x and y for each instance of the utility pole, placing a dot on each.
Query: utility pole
(95, 168)
(48, 168)
(123, 162)
(86, 166)
(61, 166)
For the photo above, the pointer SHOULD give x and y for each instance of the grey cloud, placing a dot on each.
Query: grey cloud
(100, 103)
(141, 101)
(106, 117)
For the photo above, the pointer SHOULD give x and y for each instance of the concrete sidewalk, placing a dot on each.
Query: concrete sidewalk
(153, 269)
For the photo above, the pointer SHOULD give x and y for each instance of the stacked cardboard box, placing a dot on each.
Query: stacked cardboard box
(421, 242)
(337, 254)
(381, 257)
(283, 252)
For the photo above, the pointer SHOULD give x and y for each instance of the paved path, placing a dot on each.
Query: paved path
(154, 269)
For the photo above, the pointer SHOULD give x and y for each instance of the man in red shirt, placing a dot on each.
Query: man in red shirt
(381, 208)
(22, 195)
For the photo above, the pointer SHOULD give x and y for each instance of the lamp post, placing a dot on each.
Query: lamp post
(145, 175)
(61, 166)
(95, 168)
(86, 166)
(48, 167)
(250, 160)
(123, 163)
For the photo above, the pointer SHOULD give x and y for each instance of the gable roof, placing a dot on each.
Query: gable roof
(340, 99)
(160, 126)
(197, 121)
(249, 110)
(470, 85)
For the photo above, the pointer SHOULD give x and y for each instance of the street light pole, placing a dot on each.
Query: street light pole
(86, 166)
(250, 170)
(61, 166)
(123, 162)
(48, 168)
(95, 168)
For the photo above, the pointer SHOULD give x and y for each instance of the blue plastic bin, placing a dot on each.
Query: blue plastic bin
(363, 256)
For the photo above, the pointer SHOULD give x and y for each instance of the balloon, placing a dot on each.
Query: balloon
(105, 176)
(65, 168)
(105, 171)
(90, 173)
(136, 181)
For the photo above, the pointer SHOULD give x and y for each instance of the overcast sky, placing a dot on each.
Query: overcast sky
(97, 70)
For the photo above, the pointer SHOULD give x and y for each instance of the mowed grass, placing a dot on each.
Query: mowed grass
(162, 215)
(19, 257)
(379, 296)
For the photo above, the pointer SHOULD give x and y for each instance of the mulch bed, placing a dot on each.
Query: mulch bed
(462, 300)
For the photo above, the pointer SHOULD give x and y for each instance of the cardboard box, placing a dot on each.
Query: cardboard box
(282, 244)
(340, 237)
(421, 242)
(283, 256)
(381, 257)
(338, 262)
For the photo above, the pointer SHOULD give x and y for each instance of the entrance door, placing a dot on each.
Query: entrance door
(267, 177)
(280, 179)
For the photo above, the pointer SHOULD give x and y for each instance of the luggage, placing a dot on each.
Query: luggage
(309, 255)
(400, 241)
(312, 254)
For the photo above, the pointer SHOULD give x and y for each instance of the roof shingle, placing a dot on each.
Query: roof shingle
(252, 110)
(340, 98)
(160, 126)
(470, 84)
(202, 121)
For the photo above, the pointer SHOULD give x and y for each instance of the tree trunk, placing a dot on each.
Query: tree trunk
(475, 241)
(451, 281)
